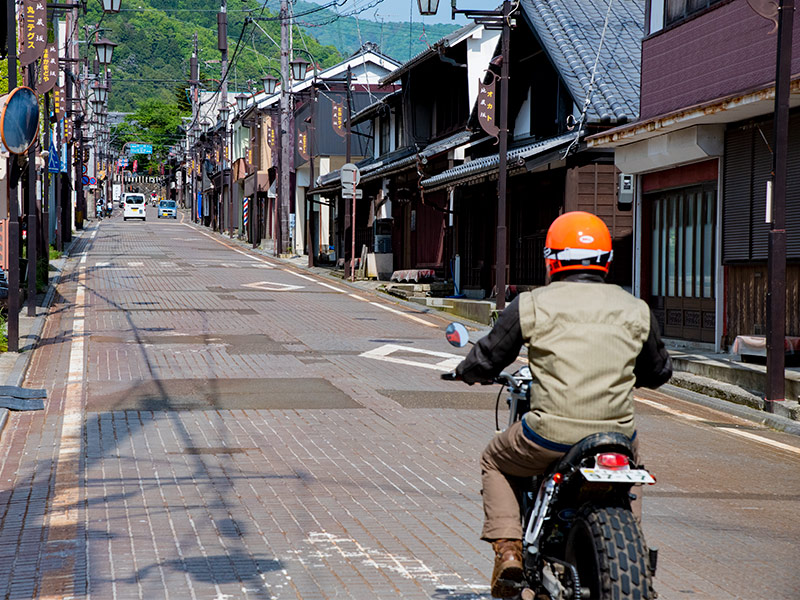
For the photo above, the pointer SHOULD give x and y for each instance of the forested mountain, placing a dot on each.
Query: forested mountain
(348, 28)
(155, 44)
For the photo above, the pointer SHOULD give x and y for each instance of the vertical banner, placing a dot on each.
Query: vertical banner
(33, 31)
(58, 104)
(338, 119)
(272, 136)
(48, 74)
(487, 101)
(302, 144)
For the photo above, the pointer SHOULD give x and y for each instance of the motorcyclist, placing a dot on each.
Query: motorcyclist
(109, 207)
(589, 343)
(99, 208)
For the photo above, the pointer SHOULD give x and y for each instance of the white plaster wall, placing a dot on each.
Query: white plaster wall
(480, 50)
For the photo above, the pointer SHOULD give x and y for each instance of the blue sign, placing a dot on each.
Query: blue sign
(141, 148)
(85, 180)
(54, 162)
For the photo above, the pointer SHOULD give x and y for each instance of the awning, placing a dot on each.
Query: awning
(486, 166)
(395, 162)
(250, 183)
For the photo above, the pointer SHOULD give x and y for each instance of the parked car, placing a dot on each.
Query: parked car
(167, 208)
(135, 207)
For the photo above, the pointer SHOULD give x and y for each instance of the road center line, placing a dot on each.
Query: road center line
(762, 440)
(406, 315)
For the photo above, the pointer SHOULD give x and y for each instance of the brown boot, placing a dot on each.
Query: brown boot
(507, 568)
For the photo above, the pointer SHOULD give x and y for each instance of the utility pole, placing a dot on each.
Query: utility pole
(776, 263)
(194, 74)
(13, 206)
(349, 209)
(31, 193)
(222, 43)
(283, 203)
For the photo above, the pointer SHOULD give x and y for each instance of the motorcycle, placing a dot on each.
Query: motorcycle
(581, 539)
(99, 211)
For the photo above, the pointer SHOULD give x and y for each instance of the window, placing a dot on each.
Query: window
(398, 128)
(663, 13)
(385, 130)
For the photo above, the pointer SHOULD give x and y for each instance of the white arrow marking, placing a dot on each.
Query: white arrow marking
(385, 353)
(269, 286)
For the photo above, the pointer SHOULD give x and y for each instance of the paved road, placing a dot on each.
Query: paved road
(221, 426)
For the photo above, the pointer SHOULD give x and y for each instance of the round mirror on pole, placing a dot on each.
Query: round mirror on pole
(270, 84)
(105, 50)
(299, 68)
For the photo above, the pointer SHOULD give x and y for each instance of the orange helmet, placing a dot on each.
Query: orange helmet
(577, 241)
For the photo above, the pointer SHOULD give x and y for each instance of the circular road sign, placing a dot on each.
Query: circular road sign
(85, 180)
(92, 181)
(350, 174)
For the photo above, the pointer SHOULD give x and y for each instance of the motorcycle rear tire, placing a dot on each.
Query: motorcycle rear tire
(607, 547)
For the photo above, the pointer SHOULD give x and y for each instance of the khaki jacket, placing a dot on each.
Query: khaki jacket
(583, 342)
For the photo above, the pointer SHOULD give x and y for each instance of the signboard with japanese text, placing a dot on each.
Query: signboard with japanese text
(33, 31)
(487, 101)
(58, 103)
(302, 144)
(141, 148)
(338, 116)
(4, 244)
(48, 72)
(272, 136)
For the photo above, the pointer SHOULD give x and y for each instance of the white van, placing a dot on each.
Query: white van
(135, 207)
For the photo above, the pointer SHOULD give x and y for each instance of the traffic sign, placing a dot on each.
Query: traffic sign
(347, 193)
(85, 180)
(350, 174)
(92, 181)
(141, 148)
(54, 162)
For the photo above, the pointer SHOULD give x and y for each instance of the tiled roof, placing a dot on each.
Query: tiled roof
(570, 31)
(489, 164)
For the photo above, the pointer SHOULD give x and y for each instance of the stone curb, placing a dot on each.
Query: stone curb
(20, 368)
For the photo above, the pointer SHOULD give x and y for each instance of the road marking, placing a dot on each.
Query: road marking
(135, 264)
(83, 258)
(270, 286)
(406, 315)
(739, 432)
(672, 411)
(762, 440)
(331, 287)
(385, 352)
(306, 277)
(357, 297)
(102, 264)
(62, 514)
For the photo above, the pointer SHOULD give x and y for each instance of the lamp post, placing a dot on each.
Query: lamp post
(493, 19)
(227, 150)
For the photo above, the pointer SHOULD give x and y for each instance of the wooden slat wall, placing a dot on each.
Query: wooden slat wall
(593, 188)
(746, 300)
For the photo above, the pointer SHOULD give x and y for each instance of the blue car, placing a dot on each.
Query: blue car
(167, 208)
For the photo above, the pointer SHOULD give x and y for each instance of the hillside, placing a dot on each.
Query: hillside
(398, 40)
(155, 45)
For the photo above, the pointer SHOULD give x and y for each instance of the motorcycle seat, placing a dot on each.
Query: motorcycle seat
(594, 444)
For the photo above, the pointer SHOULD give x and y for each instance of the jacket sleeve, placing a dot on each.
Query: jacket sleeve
(499, 348)
(653, 365)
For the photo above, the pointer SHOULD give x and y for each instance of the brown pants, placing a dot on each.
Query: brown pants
(506, 463)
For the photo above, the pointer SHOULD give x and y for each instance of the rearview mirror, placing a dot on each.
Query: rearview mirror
(457, 335)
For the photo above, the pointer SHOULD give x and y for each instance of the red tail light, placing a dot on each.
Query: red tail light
(611, 460)
(558, 477)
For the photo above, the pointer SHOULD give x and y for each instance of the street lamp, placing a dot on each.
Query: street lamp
(111, 6)
(224, 113)
(270, 84)
(105, 50)
(100, 92)
(493, 19)
(299, 68)
(428, 7)
(241, 102)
